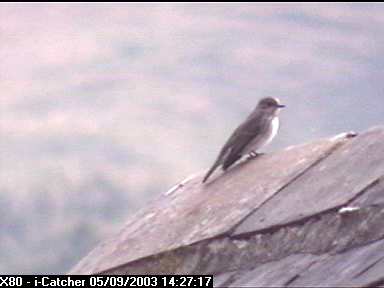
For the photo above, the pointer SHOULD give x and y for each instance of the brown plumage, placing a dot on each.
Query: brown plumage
(256, 131)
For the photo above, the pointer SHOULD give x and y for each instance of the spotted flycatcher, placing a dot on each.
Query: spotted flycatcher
(257, 130)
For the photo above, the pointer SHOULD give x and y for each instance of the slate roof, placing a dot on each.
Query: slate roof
(309, 215)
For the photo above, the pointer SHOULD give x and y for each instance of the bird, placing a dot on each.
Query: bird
(258, 129)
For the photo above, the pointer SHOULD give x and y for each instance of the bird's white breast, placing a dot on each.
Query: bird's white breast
(274, 128)
(263, 138)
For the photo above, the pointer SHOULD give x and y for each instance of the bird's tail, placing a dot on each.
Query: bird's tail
(213, 168)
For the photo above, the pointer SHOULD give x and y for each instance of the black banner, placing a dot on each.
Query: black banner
(106, 281)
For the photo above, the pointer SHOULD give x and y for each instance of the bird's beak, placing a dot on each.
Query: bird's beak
(280, 106)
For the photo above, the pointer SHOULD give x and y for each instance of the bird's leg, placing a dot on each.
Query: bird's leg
(253, 154)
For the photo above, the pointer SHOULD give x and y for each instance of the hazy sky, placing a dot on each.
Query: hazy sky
(103, 106)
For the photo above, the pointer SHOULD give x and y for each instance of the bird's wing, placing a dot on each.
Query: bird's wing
(231, 150)
(241, 137)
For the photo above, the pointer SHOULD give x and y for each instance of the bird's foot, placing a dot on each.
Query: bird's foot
(253, 154)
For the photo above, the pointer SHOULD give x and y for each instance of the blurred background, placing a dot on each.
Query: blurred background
(105, 106)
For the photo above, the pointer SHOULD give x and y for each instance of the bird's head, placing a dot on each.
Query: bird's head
(270, 105)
